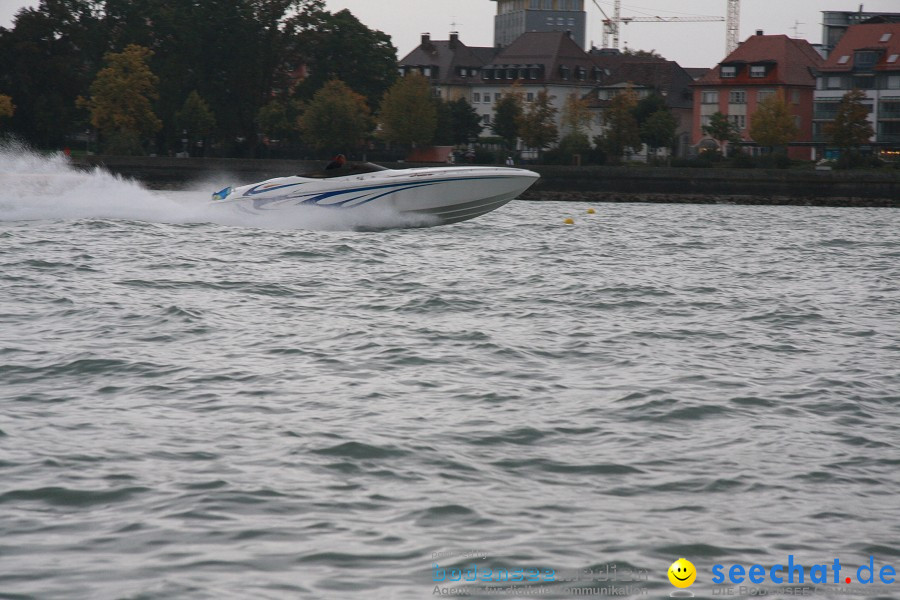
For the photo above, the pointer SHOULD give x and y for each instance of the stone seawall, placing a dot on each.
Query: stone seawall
(591, 183)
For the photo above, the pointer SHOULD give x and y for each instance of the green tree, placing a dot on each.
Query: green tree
(851, 127)
(507, 113)
(121, 100)
(196, 118)
(573, 144)
(722, 131)
(443, 131)
(658, 130)
(234, 53)
(340, 47)
(408, 115)
(576, 115)
(337, 119)
(537, 126)
(47, 60)
(642, 53)
(648, 105)
(464, 121)
(622, 130)
(773, 123)
(280, 118)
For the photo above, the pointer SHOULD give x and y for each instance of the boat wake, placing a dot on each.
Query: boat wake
(48, 187)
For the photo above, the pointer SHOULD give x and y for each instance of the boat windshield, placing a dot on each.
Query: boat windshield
(348, 169)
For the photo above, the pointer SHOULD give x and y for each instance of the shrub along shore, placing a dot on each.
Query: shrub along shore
(588, 183)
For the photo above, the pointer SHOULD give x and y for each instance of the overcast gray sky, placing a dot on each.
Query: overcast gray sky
(691, 44)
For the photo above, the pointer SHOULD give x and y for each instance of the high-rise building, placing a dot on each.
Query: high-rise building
(515, 17)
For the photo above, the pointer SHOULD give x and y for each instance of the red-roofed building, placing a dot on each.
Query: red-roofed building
(866, 58)
(762, 66)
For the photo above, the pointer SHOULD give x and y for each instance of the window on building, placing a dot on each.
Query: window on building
(844, 59)
(510, 73)
(893, 82)
(704, 120)
(885, 37)
(709, 97)
(739, 121)
(763, 94)
(476, 97)
(426, 71)
(758, 71)
(865, 59)
(893, 58)
(864, 83)
(834, 83)
(486, 119)
(795, 96)
(529, 97)
(737, 97)
(728, 72)
(497, 96)
(487, 73)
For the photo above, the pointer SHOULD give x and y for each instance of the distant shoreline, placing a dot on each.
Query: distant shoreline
(563, 183)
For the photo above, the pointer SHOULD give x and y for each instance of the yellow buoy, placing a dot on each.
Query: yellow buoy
(591, 211)
(569, 221)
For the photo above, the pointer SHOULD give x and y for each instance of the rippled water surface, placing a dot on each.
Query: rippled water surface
(194, 409)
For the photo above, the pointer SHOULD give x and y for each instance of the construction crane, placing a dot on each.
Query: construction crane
(612, 24)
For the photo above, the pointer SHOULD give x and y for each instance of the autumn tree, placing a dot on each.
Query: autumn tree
(622, 130)
(336, 119)
(537, 125)
(722, 131)
(851, 127)
(575, 118)
(507, 112)
(7, 108)
(408, 115)
(773, 123)
(196, 119)
(576, 115)
(121, 100)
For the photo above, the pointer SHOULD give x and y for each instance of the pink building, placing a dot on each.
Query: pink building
(762, 66)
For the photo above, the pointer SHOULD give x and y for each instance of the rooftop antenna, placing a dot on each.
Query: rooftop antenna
(796, 28)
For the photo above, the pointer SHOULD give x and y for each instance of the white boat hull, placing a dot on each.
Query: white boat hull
(443, 194)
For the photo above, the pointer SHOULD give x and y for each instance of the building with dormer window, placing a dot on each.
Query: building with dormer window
(867, 58)
(535, 61)
(762, 66)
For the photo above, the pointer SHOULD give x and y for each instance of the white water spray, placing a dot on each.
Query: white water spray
(47, 187)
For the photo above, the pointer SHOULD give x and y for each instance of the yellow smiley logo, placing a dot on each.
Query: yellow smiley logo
(682, 573)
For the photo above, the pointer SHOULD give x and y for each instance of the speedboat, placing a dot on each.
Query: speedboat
(439, 194)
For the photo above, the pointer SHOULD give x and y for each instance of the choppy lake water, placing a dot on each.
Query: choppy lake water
(191, 409)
